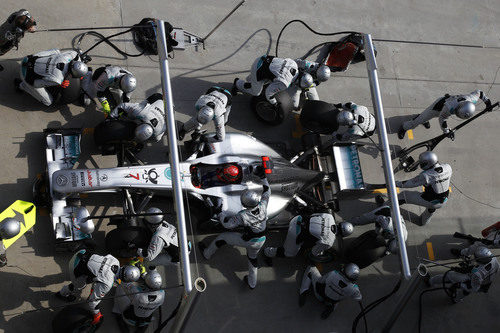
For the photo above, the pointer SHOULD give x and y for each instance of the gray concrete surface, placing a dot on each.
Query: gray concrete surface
(411, 77)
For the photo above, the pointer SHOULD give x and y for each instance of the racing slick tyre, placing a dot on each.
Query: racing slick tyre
(123, 242)
(366, 249)
(73, 319)
(272, 114)
(317, 117)
(110, 133)
(72, 93)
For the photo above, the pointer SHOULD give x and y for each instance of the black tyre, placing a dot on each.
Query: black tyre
(123, 242)
(272, 114)
(110, 133)
(73, 319)
(319, 117)
(72, 93)
(366, 249)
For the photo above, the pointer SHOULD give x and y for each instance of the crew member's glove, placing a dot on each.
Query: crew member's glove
(98, 318)
(106, 108)
(488, 103)
(65, 84)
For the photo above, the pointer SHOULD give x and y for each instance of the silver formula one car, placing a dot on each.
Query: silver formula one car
(315, 177)
(200, 179)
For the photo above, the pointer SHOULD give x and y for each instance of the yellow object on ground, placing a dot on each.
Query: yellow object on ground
(25, 213)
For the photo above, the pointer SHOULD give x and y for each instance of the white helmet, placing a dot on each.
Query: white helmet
(346, 118)
(9, 228)
(250, 199)
(345, 229)
(78, 68)
(87, 227)
(483, 255)
(154, 219)
(323, 73)
(143, 132)
(427, 160)
(205, 114)
(153, 280)
(351, 271)
(130, 273)
(128, 83)
(306, 81)
(465, 109)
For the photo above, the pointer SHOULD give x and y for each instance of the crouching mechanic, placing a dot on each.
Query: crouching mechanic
(317, 230)
(435, 178)
(106, 80)
(478, 279)
(136, 302)
(8, 228)
(356, 122)
(463, 106)
(86, 267)
(214, 105)
(253, 219)
(49, 70)
(311, 74)
(12, 30)
(148, 114)
(330, 288)
(164, 238)
(382, 219)
(279, 73)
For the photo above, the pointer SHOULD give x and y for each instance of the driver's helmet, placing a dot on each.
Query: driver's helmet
(229, 173)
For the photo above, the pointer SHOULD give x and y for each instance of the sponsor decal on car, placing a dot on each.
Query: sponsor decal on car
(74, 179)
(89, 177)
(136, 176)
(61, 180)
(82, 178)
(150, 175)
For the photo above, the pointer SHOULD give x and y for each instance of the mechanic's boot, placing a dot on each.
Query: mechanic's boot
(245, 279)
(456, 252)
(427, 124)
(401, 133)
(202, 247)
(17, 85)
(268, 261)
(3, 260)
(69, 298)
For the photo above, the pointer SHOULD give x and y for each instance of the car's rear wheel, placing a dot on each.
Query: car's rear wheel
(269, 113)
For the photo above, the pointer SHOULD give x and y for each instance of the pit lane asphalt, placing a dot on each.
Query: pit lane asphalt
(411, 77)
